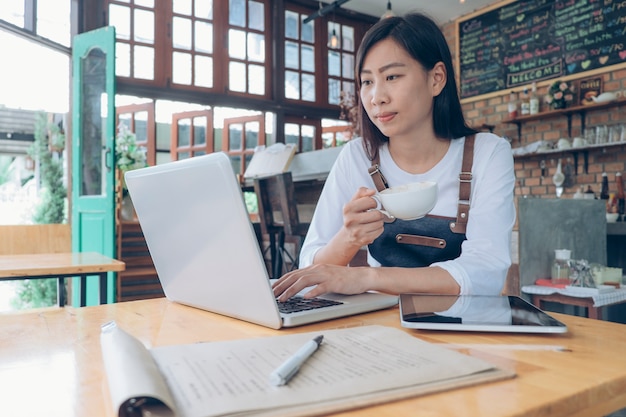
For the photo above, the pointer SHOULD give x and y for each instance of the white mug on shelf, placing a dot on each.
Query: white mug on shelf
(579, 142)
(563, 143)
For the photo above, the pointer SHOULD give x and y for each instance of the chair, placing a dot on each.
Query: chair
(278, 217)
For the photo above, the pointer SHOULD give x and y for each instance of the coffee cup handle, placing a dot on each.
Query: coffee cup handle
(389, 218)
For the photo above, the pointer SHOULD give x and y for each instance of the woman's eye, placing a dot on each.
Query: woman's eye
(391, 77)
(365, 82)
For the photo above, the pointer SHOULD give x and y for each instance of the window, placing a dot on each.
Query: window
(139, 118)
(305, 134)
(248, 49)
(135, 49)
(192, 134)
(183, 44)
(340, 62)
(192, 43)
(49, 19)
(299, 57)
(241, 137)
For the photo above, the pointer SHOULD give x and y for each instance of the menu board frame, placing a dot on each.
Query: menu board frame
(506, 46)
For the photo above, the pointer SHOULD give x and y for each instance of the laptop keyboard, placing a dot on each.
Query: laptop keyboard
(296, 304)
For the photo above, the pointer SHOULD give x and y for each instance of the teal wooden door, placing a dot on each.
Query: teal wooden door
(93, 152)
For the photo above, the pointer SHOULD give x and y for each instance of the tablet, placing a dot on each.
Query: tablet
(480, 313)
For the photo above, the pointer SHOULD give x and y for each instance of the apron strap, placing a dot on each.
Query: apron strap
(465, 187)
(377, 176)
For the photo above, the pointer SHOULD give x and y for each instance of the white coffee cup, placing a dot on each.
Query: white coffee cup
(408, 201)
(579, 142)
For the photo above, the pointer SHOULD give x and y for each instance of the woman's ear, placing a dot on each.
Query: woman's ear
(439, 77)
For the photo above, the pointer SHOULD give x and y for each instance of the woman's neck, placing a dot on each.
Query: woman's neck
(418, 155)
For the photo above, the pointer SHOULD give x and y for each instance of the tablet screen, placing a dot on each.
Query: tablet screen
(475, 313)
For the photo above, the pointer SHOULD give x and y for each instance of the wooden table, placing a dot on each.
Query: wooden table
(593, 303)
(61, 266)
(51, 364)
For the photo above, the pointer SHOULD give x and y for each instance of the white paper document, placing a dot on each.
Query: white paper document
(353, 367)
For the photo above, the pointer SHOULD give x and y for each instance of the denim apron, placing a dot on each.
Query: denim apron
(421, 242)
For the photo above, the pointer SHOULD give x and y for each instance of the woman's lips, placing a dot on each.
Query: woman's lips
(385, 117)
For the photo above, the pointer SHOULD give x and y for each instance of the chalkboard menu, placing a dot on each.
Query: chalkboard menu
(535, 40)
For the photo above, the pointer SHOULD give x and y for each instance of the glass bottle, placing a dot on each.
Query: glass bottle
(560, 267)
(604, 191)
(525, 102)
(512, 105)
(620, 195)
(534, 99)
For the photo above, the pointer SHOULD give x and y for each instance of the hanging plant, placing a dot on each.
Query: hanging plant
(128, 154)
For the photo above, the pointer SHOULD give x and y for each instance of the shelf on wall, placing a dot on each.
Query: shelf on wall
(567, 112)
(574, 152)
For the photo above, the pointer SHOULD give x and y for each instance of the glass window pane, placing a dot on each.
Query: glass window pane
(292, 85)
(292, 133)
(256, 13)
(204, 71)
(237, 44)
(183, 155)
(119, 16)
(204, 37)
(252, 134)
(256, 47)
(145, 3)
(348, 87)
(199, 153)
(308, 87)
(235, 162)
(347, 38)
(237, 12)
(308, 58)
(235, 132)
(237, 76)
(292, 57)
(141, 126)
(308, 32)
(184, 133)
(199, 131)
(181, 33)
(13, 12)
(333, 91)
(94, 107)
(181, 68)
(144, 62)
(204, 9)
(182, 7)
(122, 59)
(53, 20)
(257, 79)
(334, 65)
(291, 24)
(144, 26)
(347, 66)
(307, 144)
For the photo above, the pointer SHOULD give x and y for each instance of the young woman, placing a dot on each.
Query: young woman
(413, 129)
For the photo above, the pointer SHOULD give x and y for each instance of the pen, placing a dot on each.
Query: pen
(286, 371)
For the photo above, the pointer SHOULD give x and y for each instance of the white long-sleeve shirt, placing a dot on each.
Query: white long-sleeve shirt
(485, 255)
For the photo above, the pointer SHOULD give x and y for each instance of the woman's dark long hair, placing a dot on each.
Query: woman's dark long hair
(420, 36)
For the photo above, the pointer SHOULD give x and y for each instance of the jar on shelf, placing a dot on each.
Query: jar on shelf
(560, 267)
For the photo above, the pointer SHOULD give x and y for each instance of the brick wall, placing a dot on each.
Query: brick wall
(530, 182)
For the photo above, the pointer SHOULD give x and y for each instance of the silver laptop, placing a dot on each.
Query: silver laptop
(204, 248)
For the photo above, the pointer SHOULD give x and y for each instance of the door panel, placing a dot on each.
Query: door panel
(93, 156)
